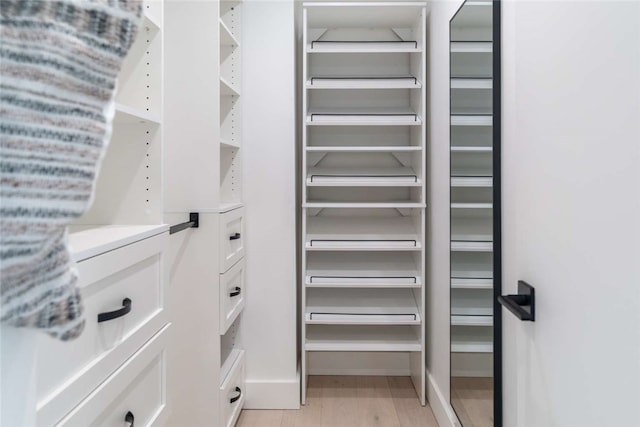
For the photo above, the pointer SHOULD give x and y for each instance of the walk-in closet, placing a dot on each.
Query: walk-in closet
(291, 213)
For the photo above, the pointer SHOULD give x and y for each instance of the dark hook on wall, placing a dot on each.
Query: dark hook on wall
(194, 222)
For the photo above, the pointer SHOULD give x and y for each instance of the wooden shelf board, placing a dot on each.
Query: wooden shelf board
(363, 205)
(359, 338)
(362, 177)
(481, 321)
(366, 149)
(363, 83)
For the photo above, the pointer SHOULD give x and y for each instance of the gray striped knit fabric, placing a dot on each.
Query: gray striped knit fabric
(59, 61)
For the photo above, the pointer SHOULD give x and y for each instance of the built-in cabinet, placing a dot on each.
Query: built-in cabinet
(363, 181)
(115, 372)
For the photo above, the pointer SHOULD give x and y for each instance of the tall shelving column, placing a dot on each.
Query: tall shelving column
(231, 218)
(363, 173)
(471, 191)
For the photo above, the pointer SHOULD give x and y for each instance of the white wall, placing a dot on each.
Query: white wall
(571, 174)
(438, 203)
(268, 93)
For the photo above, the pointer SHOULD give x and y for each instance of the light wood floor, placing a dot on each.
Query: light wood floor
(472, 398)
(342, 401)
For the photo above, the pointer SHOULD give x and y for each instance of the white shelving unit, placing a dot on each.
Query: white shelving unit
(231, 218)
(363, 173)
(471, 187)
(128, 203)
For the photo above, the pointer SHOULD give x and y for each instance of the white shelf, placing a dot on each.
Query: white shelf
(363, 47)
(471, 120)
(471, 339)
(471, 246)
(472, 320)
(227, 88)
(458, 283)
(471, 205)
(362, 270)
(355, 307)
(471, 265)
(471, 181)
(228, 364)
(405, 82)
(471, 149)
(364, 149)
(229, 206)
(361, 233)
(471, 47)
(472, 302)
(472, 225)
(363, 117)
(86, 241)
(125, 114)
(150, 22)
(361, 338)
(226, 36)
(362, 177)
(229, 144)
(469, 83)
(400, 204)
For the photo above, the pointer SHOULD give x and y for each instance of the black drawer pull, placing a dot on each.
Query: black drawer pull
(235, 398)
(110, 315)
(234, 236)
(236, 292)
(129, 418)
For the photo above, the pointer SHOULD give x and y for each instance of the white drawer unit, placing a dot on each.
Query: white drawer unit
(133, 396)
(231, 295)
(231, 393)
(122, 292)
(231, 238)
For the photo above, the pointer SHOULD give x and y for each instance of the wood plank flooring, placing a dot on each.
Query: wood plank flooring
(346, 401)
(472, 398)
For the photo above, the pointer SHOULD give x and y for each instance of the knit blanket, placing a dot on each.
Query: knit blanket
(59, 61)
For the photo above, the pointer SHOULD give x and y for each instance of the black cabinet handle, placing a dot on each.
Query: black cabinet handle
(235, 398)
(234, 236)
(236, 292)
(129, 418)
(110, 315)
(522, 305)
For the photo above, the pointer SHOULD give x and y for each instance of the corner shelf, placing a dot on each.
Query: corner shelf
(226, 36)
(227, 88)
(125, 114)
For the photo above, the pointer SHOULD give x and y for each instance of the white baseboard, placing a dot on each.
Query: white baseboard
(440, 404)
(358, 363)
(273, 394)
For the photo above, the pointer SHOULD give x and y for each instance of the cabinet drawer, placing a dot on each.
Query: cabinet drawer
(231, 393)
(232, 293)
(69, 371)
(231, 238)
(134, 393)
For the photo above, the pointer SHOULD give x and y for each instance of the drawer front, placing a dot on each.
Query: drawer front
(67, 372)
(232, 292)
(231, 393)
(133, 394)
(231, 238)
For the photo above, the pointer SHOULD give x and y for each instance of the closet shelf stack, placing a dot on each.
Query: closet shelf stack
(363, 173)
(471, 188)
